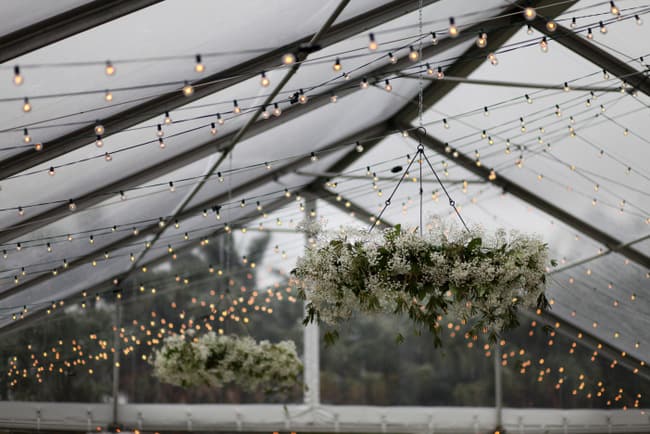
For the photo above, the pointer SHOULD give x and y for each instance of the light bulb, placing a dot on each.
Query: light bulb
(21, 211)
(613, 9)
(529, 100)
(372, 44)
(453, 30)
(302, 98)
(529, 13)
(18, 78)
(445, 123)
(108, 157)
(199, 67)
(27, 107)
(108, 96)
(99, 129)
(264, 80)
(481, 40)
(161, 143)
(333, 98)
(277, 111)
(159, 131)
(486, 112)
(605, 75)
(220, 120)
(392, 58)
(236, 109)
(26, 137)
(529, 29)
(573, 24)
(122, 195)
(38, 146)
(429, 70)
(99, 142)
(188, 89)
(493, 59)
(638, 20)
(603, 29)
(551, 26)
(440, 74)
(589, 34)
(364, 84)
(543, 45)
(71, 205)
(434, 38)
(110, 69)
(413, 54)
(289, 59)
(566, 87)
(388, 86)
(168, 119)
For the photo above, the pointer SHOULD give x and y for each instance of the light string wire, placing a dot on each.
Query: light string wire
(198, 85)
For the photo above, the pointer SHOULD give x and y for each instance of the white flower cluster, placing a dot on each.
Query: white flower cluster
(217, 360)
(446, 270)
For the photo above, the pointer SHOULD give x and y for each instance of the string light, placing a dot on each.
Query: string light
(639, 21)
(590, 35)
(277, 111)
(199, 67)
(108, 96)
(388, 87)
(603, 29)
(213, 127)
(264, 80)
(614, 9)
(27, 107)
(220, 120)
(529, 29)
(372, 43)
(493, 59)
(414, 56)
(551, 26)
(188, 89)
(98, 141)
(51, 171)
(392, 58)
(21, 211)
(289, 59)
(71, 205)
(109, 69)
(566, 87)
(440, 73)
(333, 98)
(108, 157)
(302, 97)
(434, 38)
(18, 78)
(337, 65)
(26, 136)
(236, 109)
(573, 24)
(172, 188)
(529, 100)
(38, 146)
(453, 30)
(168, 119)
(529, 13)
(161, 143)
(481, 40)
(544, 45)
(364, 84)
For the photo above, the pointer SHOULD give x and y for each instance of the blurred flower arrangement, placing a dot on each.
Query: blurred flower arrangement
(218, 360)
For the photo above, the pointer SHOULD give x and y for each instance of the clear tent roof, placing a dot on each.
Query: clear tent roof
(550, 122)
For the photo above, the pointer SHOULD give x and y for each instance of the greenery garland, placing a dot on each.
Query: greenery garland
(480, 281)
(217, 360)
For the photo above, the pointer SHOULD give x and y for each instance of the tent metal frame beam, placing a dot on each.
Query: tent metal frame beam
(590, 52)
(533, 199)
(66, 24)
(559, 324)
(204, 87)
(91, 417)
